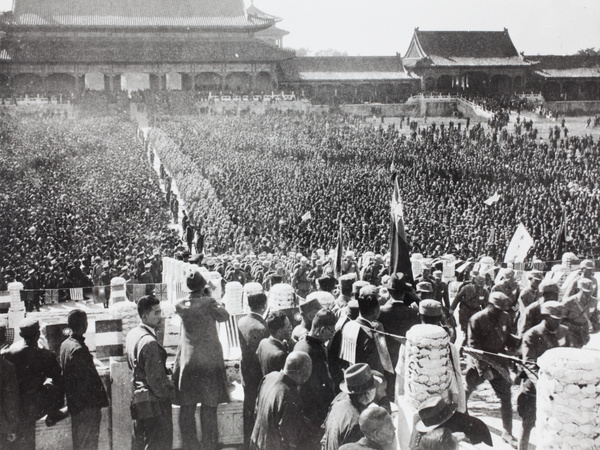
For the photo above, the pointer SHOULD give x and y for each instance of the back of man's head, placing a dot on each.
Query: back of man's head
(257, 302)
(298, 366)
(376, 424)
(77, 321)
(275, 321)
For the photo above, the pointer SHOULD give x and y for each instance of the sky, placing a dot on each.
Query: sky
(385, 27)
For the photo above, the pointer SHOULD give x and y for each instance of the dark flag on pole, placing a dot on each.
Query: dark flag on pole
(559, 245)
(337, 264)
(399, 251)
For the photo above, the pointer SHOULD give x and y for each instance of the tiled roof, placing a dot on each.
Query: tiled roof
(254, 11)
(353, 76)
(344, 68)
(465, 61)
(135, 13)
(467, 44)
(137, 51)
(581, 72)
(273, 31)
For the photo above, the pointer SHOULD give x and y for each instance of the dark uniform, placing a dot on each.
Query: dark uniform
(85, 392)
(9, 401)
(251, 330)
(489, 331)
(34, 367)
(271, 355)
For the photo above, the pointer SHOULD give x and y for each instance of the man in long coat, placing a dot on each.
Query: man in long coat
(251, 330)
(199, 370)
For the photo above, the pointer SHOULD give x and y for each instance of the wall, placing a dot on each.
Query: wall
(574, 107)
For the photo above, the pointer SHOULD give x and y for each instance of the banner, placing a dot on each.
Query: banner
(399, 250)
(493, 199)
(519, 245)
(306, 216)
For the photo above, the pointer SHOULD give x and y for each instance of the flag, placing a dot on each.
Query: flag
(559, 244)
(337, 263)
(519, 245)
(399, 251)
(493, 199)
(306, 216)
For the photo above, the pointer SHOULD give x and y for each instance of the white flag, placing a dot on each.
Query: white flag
(306, 216)
(519, 245)
(493, 199)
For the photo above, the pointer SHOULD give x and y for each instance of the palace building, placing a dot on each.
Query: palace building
(59, 46)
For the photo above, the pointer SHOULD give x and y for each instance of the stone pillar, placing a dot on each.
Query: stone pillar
(162, 82)
(253, 81)
(117, 82)
(568, 396)
(120, 392)
(16, 312)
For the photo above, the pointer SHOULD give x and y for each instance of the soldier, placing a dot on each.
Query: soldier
(472, 298)
(489, 330)
(577, 312)
(38, 396)
(300, 281)
(586, 270)
(548, 291)
(544, 336)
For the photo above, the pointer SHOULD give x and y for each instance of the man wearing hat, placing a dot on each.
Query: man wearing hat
(489, 330)
(472, 298)
(357, 393)
(532, 292)
(300, 281)
(318, 392)
(147, 279)
(308, 310)
(34, 366)
(199, 370)
(346, 282)
(378, 429)
(548, 291)
(9, 397)
(280, 423)
(251, 330)
(440, 289)
(578, 310)
(536, 341)
(586, 270)
(437, 412)
(397, 316)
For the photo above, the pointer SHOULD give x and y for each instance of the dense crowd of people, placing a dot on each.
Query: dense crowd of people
(287, 181)
(73, 194)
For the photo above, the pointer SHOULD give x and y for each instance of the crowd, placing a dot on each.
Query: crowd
(329, 383)
(76, 205)
(287, 182)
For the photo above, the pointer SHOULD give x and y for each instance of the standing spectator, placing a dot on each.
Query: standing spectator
(153, 392)
(273, 350)
(300, 281)
(38, 396)
(280, 424)
(199, 370)
(318, 391)
(342, 422)
(378, 429)
(9, 397)
(86, 395)
(251, 330)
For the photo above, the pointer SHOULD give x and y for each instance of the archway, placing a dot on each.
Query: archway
(28, 83)
(263, 82)
(61, 83)
(444, 83)
(501, 84)
(237, 82)
(208, 81)
(518, 84)
(474, 82)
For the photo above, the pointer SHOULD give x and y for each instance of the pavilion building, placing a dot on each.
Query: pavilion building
(474, 61)
(204, 45)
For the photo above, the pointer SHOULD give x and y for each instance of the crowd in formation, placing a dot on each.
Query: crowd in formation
(73, 194)
(290, 180)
